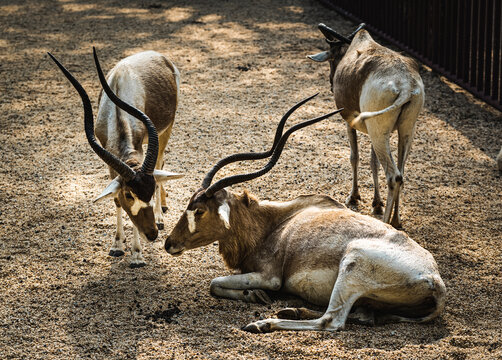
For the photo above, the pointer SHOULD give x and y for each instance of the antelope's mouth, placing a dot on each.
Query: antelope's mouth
(177, 253)
(174, 251)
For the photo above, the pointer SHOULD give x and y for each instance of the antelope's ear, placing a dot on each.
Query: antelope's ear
(161, 175)
(111, 190)
(248, 198)
(224, 213)
(320, 57)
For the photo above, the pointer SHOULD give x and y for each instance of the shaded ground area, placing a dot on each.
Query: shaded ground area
(242, 65)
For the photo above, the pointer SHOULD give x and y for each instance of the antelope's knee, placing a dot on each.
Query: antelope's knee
(275, 284)
(214, 287)
(395, 181)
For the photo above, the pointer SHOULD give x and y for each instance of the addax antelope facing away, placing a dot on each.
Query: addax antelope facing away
(380, 91)
(312, 247)
(147, 84)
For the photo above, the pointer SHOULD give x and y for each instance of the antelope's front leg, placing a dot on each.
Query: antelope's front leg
(377, 200)
(354, 196)
(118, 245)
(246, 287)
(137, 259)
(159, 217)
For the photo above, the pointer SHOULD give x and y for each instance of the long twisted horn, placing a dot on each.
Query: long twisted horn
(153, 139)
(235, 179)
(111, 160)
(329, 33)
(251, 155)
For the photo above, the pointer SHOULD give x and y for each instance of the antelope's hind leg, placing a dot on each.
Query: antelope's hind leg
(349, 287)
(354, 196)
(298, 314)
(377, 200)
(160, 192)
(406, 132)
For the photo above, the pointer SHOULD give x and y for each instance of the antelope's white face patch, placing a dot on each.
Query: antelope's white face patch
(224, 212)
(139, 204)
(191, 221)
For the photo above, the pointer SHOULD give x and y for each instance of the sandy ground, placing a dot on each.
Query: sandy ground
(242, 65)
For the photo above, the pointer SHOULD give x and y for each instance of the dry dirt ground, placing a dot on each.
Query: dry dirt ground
(243, 65)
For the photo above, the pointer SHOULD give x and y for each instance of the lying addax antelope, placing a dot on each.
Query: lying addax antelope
(312, 247)
(380, 91)
(149, 83)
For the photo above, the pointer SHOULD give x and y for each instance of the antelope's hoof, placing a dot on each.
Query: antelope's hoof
(135, 265)
(258, 327)
(289, 314)
(353, 200)
(397, 225)
(377, 207)
(377, 210)
(116, 253)
(160, 226)
(164, 209)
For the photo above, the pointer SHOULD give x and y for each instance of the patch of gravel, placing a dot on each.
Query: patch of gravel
(242, 66)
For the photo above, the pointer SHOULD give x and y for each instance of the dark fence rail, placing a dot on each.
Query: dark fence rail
(460, 39)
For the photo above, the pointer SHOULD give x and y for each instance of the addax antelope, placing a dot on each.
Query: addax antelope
(148, 85)
(312, 247)
(380, 91)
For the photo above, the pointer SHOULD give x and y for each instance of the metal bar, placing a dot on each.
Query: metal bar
(437, 34)
(481, 44)
(489, 47)
(497, 58)
(447, 34)
(467, 41)
(474, 44)
(462, 33)
(452, 59)
(422, 34)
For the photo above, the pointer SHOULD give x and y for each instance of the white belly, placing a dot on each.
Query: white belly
(315, 286)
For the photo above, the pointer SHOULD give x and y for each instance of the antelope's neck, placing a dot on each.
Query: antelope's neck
(251, 232)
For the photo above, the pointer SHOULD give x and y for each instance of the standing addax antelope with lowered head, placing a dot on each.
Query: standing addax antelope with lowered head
(381, 91)
(146, 87)
(312, 247)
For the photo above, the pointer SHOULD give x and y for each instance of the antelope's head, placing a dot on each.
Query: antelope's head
(338, 46)
(213, 212)
(134, 186)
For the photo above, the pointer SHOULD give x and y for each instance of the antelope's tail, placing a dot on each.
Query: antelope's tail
(403, 97)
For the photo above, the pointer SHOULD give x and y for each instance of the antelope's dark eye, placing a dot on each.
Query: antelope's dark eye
(129, 196)
(199, 211)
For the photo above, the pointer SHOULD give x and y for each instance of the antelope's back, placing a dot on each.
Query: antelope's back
(160, 79)
(318, 236)
(364, 58)
(150, 82)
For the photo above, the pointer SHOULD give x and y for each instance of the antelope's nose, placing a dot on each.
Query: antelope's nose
(167, 244)
(152, 235)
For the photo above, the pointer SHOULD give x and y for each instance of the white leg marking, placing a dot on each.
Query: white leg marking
(224, 212)
(191, 221)
(119, 241)
(159, 217)
(137, 256)
(120, 224)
